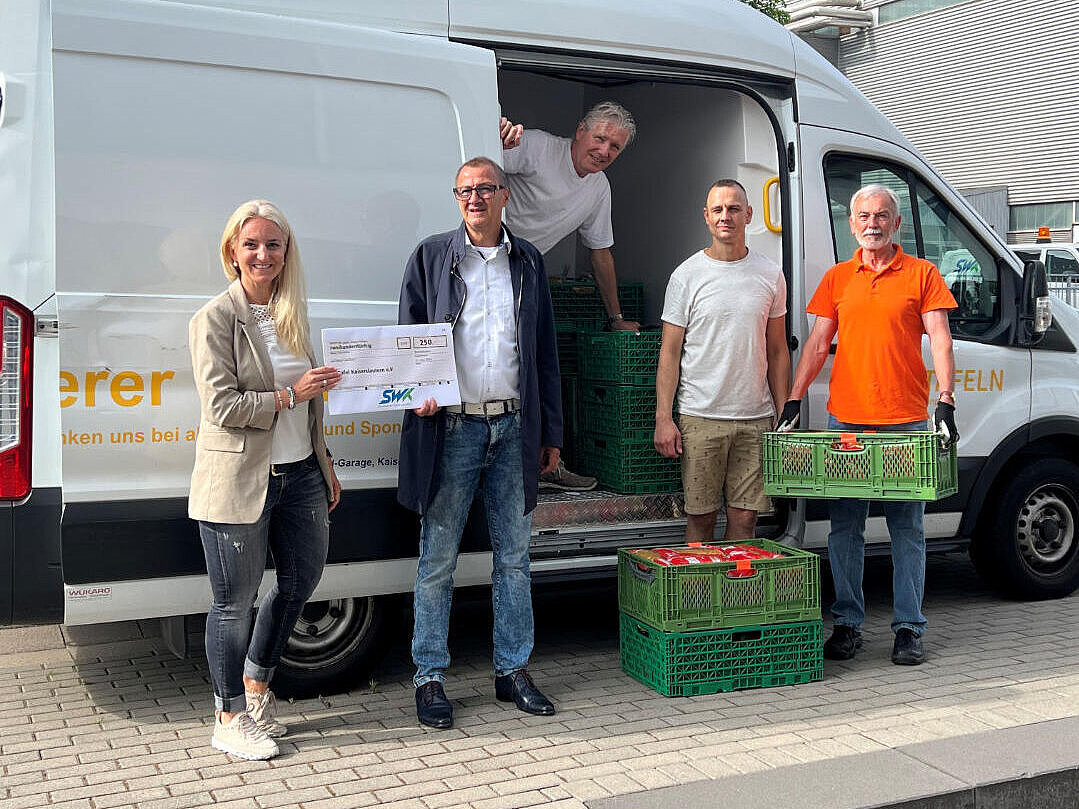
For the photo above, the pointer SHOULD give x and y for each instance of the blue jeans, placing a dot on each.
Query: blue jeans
(483, 454)
(846, 549)
(295, 526)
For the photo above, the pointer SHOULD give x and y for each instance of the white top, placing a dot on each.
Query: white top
(548, 200)
(485, 334)
(724, 307)
(291, 439)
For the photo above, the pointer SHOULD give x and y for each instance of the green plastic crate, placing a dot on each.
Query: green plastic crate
(618, 409)
(627, 465)
(705, 596)
(682, 664)
(566, 335)
(619, 357)
(570, 420)
(579, 302)
(888, 466)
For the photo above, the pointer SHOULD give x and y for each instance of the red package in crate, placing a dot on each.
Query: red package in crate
(697, 553)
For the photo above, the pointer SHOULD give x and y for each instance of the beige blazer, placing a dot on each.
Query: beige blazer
(235, 381)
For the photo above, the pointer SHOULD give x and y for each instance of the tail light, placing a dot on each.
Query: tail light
(16, 386)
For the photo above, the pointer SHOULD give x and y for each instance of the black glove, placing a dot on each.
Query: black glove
(944, 424)
(788, 419)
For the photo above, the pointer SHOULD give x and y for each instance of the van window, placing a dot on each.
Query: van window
(930, 229)
(1061, 262)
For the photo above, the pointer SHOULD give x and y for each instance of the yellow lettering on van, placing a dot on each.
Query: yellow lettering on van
(92, 378)
(68, 384)
(126, 389)
(157, 379)
(971, 379)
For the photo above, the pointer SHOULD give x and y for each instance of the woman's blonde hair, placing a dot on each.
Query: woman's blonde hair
(288, 301)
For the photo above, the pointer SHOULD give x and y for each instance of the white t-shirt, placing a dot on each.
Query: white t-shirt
(548, 200)
(724, 307)
(291, 439)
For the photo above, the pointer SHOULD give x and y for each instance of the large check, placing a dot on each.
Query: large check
(391, 367)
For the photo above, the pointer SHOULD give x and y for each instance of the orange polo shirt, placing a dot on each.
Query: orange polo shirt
(878, 376)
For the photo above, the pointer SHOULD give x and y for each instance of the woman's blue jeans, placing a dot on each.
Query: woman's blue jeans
(478, 454)
(846, 549)
(295, 528)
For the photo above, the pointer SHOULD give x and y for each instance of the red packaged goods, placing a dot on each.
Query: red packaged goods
(700, 554)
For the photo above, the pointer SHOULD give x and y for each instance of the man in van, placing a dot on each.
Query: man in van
(880, 303)
(724, 351)
(558, 187)
(507, 430)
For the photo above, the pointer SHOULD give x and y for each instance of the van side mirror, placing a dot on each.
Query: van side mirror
(1035, 317)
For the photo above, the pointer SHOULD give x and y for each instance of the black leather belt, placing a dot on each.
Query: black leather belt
(292, 466)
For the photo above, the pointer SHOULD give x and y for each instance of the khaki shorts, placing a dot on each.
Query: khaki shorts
(721, 461)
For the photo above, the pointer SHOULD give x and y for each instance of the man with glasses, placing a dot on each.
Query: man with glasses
(508, 429)
(880, 303)
(558, 188)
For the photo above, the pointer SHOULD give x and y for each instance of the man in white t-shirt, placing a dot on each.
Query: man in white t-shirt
(558, 187)
(725, 353)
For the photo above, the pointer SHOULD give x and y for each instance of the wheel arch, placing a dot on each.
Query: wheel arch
(1047, 437)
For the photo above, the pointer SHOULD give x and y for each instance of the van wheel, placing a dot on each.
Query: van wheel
(335, 645)
(1029, 545)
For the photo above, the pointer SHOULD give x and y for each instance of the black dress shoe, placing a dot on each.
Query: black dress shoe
(518, 687)
(845, 641)
(907, 649)
(432, 707)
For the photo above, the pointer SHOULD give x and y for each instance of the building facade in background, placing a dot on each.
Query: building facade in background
(987, 90)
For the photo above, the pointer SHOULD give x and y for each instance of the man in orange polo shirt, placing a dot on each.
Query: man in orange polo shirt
(880, 303)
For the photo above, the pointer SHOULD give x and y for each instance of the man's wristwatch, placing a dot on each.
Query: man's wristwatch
(947, 397)
(614, 318)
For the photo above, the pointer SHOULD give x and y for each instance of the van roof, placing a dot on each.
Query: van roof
(726, 34)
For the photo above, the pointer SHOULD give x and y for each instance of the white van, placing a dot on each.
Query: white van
(130, 129)
(1061, 260)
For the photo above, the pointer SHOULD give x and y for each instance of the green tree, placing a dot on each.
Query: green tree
(776, 9)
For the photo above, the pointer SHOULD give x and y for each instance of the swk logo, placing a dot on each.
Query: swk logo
(391, 396)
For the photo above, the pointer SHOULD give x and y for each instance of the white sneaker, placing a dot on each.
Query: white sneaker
(242, 738)
(263, 709)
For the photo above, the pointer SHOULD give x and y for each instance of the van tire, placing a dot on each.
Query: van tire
(1027, 545)
(336, 645)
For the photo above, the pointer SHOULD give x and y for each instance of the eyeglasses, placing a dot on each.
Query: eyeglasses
(485, 191)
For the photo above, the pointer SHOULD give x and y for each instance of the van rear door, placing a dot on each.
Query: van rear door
(168, 116)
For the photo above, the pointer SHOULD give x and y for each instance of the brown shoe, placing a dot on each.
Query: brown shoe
(562, 478)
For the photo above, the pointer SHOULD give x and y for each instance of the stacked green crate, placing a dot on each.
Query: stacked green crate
(617, 407)
(688, 629)
(578, 309)
(578, 303)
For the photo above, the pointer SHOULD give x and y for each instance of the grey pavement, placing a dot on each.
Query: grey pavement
(122, 723)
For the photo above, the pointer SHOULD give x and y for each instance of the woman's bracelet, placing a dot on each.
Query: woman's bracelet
(291, 397)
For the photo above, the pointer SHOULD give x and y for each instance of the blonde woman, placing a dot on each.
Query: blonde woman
(263, 478)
